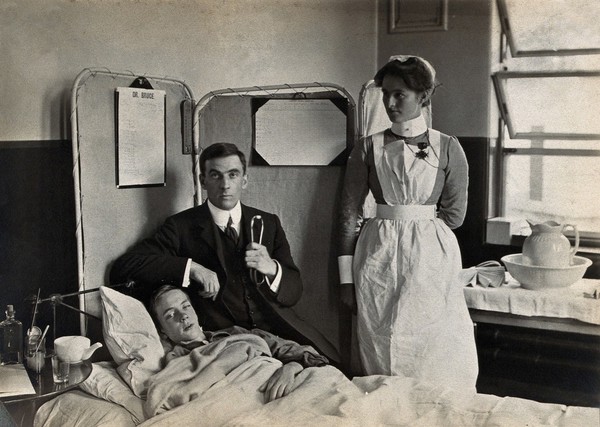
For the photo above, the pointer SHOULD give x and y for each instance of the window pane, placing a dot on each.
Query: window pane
(547, 26)
(560, 188)
(551, 103)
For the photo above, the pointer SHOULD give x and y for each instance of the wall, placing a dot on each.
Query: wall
(460, 56)
(208, 44)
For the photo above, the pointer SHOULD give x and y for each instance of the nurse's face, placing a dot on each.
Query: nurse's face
(401, 103)
(224, 180)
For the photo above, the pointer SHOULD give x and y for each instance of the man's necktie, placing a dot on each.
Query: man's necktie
(230, 231)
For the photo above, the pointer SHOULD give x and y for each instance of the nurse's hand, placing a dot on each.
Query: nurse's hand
(348, 296)
(207, 279)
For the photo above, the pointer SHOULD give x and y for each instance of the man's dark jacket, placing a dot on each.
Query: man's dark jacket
(192, 233)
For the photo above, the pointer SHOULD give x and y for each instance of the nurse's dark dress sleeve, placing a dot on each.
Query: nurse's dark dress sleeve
(354, 193)
(453, 201)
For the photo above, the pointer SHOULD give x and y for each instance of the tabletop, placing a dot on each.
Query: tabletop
(571, 309)
(44, 385)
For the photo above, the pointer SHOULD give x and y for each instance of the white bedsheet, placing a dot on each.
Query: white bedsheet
(326, 398)
(323, 397)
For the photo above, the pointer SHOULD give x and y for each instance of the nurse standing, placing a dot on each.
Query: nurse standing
(402, 269)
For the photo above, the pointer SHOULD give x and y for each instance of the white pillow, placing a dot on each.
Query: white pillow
(131, 339)
(105, 383)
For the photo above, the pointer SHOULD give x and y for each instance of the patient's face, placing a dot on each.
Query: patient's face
(177, 317)
(224, 180)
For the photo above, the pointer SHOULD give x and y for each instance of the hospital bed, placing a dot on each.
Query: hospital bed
(132, 390)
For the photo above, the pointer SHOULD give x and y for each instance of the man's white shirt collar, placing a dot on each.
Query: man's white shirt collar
(221, 217)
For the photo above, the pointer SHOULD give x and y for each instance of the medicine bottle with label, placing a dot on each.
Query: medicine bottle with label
(11, 339)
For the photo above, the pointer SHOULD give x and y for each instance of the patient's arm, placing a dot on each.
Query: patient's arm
(281, 382)
(290, 351)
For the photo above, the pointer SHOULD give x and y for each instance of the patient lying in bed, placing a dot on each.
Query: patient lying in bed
(251, 378)
(177, 319)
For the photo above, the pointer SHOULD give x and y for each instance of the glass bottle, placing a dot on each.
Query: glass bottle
(11, 339)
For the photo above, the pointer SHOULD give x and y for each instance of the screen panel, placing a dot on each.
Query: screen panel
(111, 219)
(299, 132)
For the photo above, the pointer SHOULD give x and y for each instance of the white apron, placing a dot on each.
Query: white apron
(412, 316)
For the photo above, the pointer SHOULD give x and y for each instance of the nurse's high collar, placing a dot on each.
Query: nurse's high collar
(413, 127)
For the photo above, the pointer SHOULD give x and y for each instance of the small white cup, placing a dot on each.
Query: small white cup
(60, 370)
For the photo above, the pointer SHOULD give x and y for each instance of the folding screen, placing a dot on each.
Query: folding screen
(111, 217)
(305, 197)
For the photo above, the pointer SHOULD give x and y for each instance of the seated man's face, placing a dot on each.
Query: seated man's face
(177, 318)
(224, 180)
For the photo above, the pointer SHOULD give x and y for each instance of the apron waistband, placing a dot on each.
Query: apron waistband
(406, 212)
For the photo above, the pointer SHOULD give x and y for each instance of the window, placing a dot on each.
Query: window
(548, 92)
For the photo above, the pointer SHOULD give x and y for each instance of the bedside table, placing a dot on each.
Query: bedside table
(23, 408)
(540, 345)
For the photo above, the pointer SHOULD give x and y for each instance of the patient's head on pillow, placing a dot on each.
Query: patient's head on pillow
(175, 315)
(131, 338)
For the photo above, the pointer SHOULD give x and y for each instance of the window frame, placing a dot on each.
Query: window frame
(506, 128)
(501, 76)
(513, 44)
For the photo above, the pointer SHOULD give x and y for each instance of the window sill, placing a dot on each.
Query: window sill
(506, 231)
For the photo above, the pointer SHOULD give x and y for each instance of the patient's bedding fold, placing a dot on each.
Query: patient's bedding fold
(325, 397)
(244, 359)
(218, 384)
(322, 396)
(188, 377)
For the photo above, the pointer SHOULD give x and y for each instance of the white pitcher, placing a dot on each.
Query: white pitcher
(547, 246)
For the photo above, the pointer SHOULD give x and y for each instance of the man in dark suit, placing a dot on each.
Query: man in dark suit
(209, 249)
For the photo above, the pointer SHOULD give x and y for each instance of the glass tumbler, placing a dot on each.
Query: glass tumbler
(35, 354)
(60, 370)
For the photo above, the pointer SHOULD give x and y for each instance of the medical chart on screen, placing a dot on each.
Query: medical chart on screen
(141, 149)
(300, 132)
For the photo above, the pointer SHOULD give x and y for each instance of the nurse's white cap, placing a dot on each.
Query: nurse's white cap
(403, 58)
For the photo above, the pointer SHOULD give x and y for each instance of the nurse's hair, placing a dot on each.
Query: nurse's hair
(219, 150)
(417, 74)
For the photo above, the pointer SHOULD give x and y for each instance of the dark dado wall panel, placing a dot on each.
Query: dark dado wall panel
(547, 366)
(471, 234)
(37, 229)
